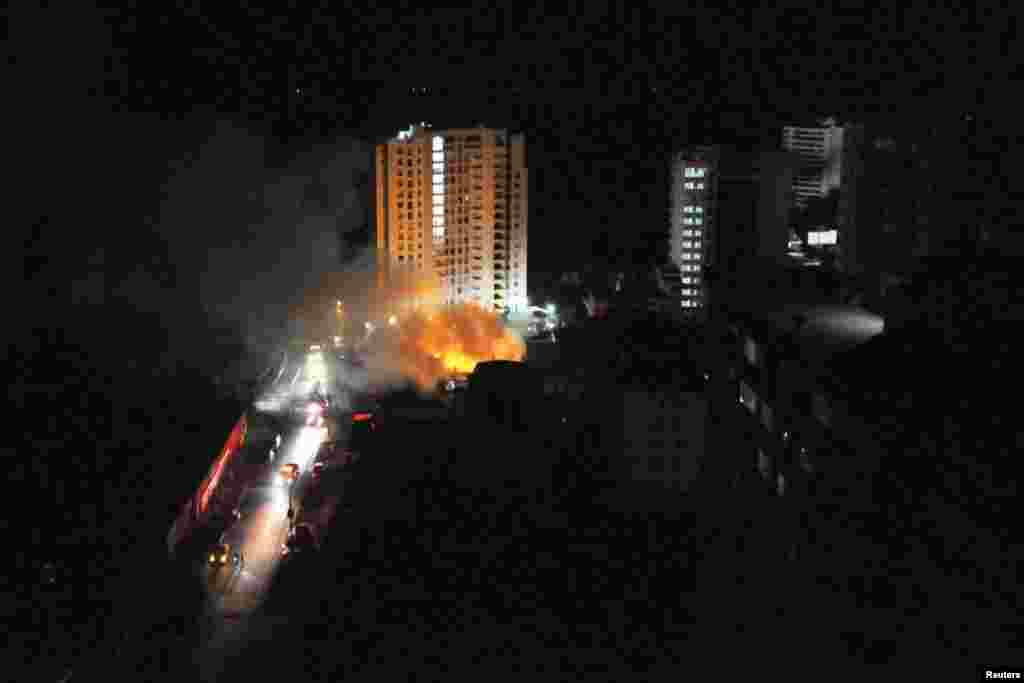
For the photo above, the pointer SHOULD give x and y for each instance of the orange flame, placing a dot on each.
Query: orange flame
(428, 341)
(432, 344)
(454, 339)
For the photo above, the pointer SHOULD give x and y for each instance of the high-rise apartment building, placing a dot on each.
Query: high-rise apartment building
(692, 221)
(830, 160)
(727, 206)
(454, 203)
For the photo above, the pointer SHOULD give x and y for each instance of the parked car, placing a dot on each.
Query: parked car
(331, 455)
(301, 538)
(224, 564)
(223, 555)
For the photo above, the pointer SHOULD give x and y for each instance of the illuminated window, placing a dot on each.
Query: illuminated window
(698, 172)
(688, 209)
(696, 233)
(696, 245)
(698, 209)
(700, 186)
(687, 233)
(687, 280)
(689, 186)
(438, 143)
(687, 244)
(687, 221)
(698, 221)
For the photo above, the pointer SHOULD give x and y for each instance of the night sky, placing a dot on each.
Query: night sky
(114, 107)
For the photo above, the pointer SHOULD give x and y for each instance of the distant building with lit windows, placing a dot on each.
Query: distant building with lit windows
(454, 203)
(831, 160)
(729, 205)
(692, 221)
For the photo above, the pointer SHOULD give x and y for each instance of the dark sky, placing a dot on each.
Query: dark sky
(602, 94)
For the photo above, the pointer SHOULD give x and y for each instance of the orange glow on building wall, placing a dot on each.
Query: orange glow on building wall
(454, 203)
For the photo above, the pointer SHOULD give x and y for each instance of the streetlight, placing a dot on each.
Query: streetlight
(392, 321)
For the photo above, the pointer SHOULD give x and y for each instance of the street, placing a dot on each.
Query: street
(235, 594)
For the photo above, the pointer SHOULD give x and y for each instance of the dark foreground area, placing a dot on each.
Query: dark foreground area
(113, 431)
(490, 552)
(469, 548)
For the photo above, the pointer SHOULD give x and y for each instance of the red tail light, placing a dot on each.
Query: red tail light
(361, 417)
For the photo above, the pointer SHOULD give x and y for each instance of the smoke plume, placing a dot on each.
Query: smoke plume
(397, 318)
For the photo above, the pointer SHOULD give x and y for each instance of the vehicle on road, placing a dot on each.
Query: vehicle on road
(359, 423)
(301, 538)
(332, 455)
(311, 410)
(222, 555)
(289, 473)
(224, 564)
(453, 383)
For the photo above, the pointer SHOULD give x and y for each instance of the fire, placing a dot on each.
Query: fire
(455, 338)
(410, 334)
(458, 362)
(432, 343)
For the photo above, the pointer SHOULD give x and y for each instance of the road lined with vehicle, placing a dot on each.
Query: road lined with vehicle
(301, 428)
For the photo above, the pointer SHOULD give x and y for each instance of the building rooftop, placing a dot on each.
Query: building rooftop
(817, 332)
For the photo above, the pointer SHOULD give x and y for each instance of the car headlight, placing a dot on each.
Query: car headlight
(213, 559)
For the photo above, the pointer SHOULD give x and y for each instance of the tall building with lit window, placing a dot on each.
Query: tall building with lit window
(454, 203)
(729, 206)
(831, 159)
(692, 221)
